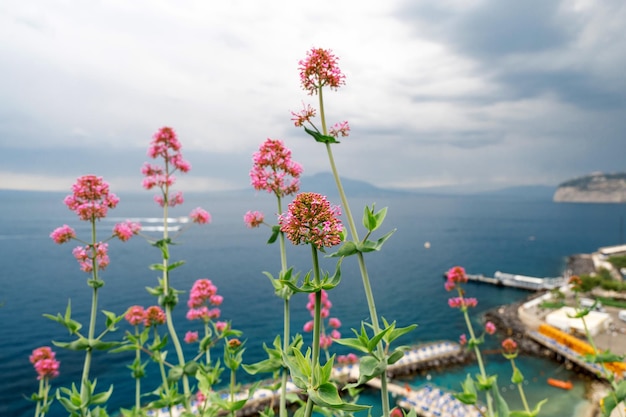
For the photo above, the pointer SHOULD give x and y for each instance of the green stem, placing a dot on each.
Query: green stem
(166, 386)
(92, 316)
(286, 319)
(232, 390)
(137, 377)
(520, 388)
(168, 306)
(43, 392)
(316, 329)
(208, 351)
(479, 358)
(369, 295)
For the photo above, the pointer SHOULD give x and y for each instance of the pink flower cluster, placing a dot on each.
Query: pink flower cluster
(151, 316)
(348, 359)
(200, 216)
(86, 255)
(304, 116)
(312, 219)
(124, 231)
(63, 234)
(91, 198)
(203, 295)
(165, 145)
(320, 68)
(333, 322)
(490, 328)
(273, 170)
(253, 219)
(339, 129)
(455, 276)
(44, 362)
(462, 302)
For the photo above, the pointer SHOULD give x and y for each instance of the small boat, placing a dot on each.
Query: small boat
(560, 384)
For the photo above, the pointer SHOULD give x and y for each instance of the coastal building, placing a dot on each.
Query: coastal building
(565, 319)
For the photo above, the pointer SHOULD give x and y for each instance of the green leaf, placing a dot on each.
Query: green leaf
(347, 249)
(372, 220)
(175, 265)
(370, 246)
(469, 395)
(331, 282)
(500, 405)
(517, 377)
(156, 291)
(157, 267)
(395, 356)
(326, 395)
(485, 383)
(111, 319)
(102, 397)
(353, 343)
(274, 236)
(190, 368)
(320, 137)
(175, 373)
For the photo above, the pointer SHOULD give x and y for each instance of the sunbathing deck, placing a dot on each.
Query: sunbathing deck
(433, 402)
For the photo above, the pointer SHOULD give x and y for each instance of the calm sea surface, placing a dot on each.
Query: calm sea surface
(530, 236)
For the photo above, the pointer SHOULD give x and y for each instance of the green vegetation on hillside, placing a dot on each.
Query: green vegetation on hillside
(585, 182)
(618, 262)
(602, 280)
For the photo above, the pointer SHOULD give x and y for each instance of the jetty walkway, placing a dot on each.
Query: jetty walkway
(519, 281)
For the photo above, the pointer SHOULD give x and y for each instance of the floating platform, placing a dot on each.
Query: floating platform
(519, 281)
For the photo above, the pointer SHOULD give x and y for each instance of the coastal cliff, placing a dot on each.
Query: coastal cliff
(594, 188)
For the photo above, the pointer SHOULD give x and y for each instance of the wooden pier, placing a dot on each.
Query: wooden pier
(519, 281)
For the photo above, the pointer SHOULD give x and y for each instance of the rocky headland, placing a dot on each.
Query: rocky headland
(593, 188)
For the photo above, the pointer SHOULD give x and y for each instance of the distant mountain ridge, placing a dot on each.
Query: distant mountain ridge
(593, 188)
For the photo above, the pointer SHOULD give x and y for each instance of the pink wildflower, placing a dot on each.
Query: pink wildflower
(45, 363)
(124, 231)
(63, 234)
(273, 170)
(200, 216)
(509, 346)
(462, 303)
(154, 316)
(325, 341)
(339, 129)
(253, 219)
(200, 397)
(311, 219)
(44, 352)
(455, 275)
(335, 334)
(304, 116)
(191, 337)
(352, 358)
(201, 291)
(91, 198)
(396, 412)
(334, 322)
(490, 328)
(220, 326)
(86, 255)
(135, 315)
(320, 69)
(308, 326)
(47, 368)
(165, 145)
(463, 340)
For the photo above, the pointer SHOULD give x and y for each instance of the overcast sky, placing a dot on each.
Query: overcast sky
(474, 93)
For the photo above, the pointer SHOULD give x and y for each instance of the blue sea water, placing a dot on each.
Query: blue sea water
(517, 234)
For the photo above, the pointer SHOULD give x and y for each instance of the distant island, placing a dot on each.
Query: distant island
(593, 188)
